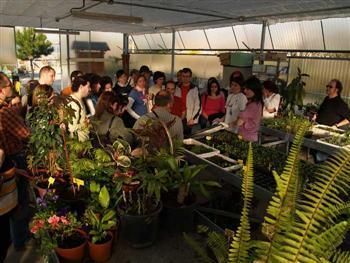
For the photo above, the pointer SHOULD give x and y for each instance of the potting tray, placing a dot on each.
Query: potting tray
(323, 130)
(190, 145)
(346, 145)
(224, 162)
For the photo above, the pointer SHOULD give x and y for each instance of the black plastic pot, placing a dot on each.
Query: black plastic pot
(178, 219)
(140, 231)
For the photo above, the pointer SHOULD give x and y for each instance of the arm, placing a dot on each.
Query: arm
(204, 114)
(344, 111)
(130, 110)
(250, 117)
(91, 107)
(342, 123)
(15, 124)
(192, 105)
(223, 103)
(74, 125)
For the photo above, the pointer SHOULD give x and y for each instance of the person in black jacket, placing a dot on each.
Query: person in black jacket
(333, 111)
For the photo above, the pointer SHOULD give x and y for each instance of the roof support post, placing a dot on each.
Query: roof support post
(173, 55)
(262, 43)
(126, 55)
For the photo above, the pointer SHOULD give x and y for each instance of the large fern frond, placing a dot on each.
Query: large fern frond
(331, 184)
(240, 244)
(217, 243)
(341, 257)
(200, 251)
(282, 205)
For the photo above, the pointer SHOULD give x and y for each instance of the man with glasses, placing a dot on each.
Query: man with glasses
(333, 111)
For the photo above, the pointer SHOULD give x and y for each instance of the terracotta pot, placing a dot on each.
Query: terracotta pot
(101, 252)
(75, 254)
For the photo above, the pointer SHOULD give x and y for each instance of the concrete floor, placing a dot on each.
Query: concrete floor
(169, 248)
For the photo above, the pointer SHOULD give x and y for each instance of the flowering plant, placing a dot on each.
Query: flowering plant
(51, 229)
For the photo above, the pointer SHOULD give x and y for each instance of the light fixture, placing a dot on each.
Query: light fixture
(62, 32)
(106, 17)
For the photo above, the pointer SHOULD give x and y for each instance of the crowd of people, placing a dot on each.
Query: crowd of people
(113, 110)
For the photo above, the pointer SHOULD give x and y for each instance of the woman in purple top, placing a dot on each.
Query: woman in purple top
(249, 119)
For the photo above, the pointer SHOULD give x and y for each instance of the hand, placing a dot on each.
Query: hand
(63, 127)
(240, 122)
(190, 122)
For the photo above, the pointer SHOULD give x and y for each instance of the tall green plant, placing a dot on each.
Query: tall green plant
(293, 93)
(31, 46)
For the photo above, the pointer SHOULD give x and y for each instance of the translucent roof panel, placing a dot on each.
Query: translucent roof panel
(297, 35)
(249, 34)
(155, 41)
(168, 39)
(178, 41)
(141, 42)
(337, 33)
(194, 39)
(221, 38)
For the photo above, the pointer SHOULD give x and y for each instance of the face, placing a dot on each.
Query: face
(186, 77)
(141, 83)
(214, 88)
(49, 77)
(235, 88)
(7, 90)
(249, 93)
(266, 93)
(122, 79)
(108, 87)
(85, 89)
(331, 89)
(170, 88)
(160, 81)
(114, 107)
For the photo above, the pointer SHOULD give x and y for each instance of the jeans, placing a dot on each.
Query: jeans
(19, 218)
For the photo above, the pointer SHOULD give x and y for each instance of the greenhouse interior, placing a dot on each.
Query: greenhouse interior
(157, 131)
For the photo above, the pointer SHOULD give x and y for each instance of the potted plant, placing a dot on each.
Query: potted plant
(100, 238)
(59, 232)
(183, 185)
(139, 207)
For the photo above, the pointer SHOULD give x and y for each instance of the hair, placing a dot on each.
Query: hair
(120, 73)
(238, 80)
(134, 71)
(144, 69)
(157, 75)
(15, 78)
(211, 81)
(253, 83)
(270, 86)
(94, 80)
(46, 69)
(338, 85)
(179, 72)
(4, 80)
(187, 70)
(104, 103)
(31, 85)
(40, 90)
(170, 82)
(78, 81)
(236, 72)
(104, 81)
(75, 74)
(162, 98)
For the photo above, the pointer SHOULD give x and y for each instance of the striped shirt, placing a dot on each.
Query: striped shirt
(176, 128)
(8, 191)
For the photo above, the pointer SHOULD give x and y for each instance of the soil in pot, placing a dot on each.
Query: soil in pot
(102, 250)
(71, 249)
(76, 202)
(219, 161)
(178, 218)
(140, 231)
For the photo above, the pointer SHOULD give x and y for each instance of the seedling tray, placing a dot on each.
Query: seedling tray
(191, 143)
(224, 162)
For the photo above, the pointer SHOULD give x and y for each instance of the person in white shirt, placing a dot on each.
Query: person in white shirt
(271, 99)
(236, 101)
(79, 126)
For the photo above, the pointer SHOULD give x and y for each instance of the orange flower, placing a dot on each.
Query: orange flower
(53, 221)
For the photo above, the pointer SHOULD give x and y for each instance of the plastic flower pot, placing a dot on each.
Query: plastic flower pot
(140, 230)
(178, 218)
(101, 252)
(73, 254)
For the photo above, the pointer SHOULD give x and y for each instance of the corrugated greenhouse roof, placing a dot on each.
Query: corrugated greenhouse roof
(85, 45)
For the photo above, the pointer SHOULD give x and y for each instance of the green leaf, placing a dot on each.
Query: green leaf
(103, 197)
(94, 187)
(123, 161)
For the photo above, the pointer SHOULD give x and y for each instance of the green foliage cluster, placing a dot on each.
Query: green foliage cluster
(289, 124)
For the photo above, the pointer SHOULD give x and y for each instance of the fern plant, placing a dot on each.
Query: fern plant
(302, 224)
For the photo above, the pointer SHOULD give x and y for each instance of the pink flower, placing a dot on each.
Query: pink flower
(53, 220)
(64, 220)
(39, 223)
(34, 229)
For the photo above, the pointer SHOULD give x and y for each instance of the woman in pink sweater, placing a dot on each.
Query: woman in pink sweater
(213, 104)
(249, 120)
